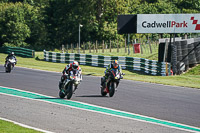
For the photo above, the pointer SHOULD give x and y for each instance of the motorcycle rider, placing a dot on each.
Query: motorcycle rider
(66, 72)
(11, 55)
(114, 65)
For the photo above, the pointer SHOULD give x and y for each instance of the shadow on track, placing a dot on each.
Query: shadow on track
(47, 98)
(2, 72)
(92, 96)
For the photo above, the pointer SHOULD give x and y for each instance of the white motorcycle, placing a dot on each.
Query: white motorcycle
(70, 84)
(10, 63)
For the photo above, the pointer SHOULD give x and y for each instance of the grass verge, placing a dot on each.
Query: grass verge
(9, 127)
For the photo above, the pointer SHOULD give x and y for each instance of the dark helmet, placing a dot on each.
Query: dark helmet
(75, 65)
(115, 64)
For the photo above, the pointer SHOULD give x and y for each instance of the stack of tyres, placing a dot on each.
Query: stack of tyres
(179, 51)
(197, 51)
(174, 58)
(185, 54)
(179, 56)
(192, 57)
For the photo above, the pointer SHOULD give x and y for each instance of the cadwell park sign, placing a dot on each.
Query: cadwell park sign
(159, 23)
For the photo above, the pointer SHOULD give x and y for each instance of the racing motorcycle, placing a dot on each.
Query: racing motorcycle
(111, 83)
(10, 63)
(70, 84)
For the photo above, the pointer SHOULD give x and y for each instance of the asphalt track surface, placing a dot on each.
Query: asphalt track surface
(176, 104)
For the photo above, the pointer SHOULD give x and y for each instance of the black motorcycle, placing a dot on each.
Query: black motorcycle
(70, 84)
(111, 83)
(10, 63)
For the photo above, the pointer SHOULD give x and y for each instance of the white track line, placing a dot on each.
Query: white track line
(26, 126)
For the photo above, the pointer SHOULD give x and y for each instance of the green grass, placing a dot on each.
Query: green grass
(190, 79)
(146, 52)
(9, 127)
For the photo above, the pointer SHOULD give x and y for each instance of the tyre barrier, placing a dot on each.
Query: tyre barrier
(23, 52)
(151, 67)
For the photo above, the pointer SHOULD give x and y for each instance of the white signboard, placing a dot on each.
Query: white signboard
(168, 23)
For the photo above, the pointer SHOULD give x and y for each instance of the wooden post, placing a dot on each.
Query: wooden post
(83, 47)
(89, 47)
(93, 48)
(110, 46)
(125, 46)
(96, 47)
(106, 46)
(117, 46)
(63, 49)
(67, 48)
(72, 48)
(149, 44)
(144, 47)
(103, 47)
(141, 46)
(150, 47)
(77, 48)
(120, 46)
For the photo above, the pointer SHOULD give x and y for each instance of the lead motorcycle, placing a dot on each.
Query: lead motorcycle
(111, 83)
(10, 63)
(70, 84)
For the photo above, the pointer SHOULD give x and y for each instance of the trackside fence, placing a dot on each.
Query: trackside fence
(23, 52)
(128, 63)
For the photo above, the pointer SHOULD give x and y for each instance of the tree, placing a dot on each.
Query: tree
(13, 30)
(21, 25)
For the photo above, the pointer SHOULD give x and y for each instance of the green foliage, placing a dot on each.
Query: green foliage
(21, 25)
(49, 24)
(13, 27)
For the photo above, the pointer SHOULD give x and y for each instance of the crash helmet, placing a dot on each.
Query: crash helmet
(75, 65)
(115, 64)
(12, 53)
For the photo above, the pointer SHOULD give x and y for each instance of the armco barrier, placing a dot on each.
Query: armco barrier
(128, 63)
(23, 52)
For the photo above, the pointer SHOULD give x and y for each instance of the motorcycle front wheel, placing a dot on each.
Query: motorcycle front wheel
(112, 89)
(8, 68)
(103, 93)
(61, 94)
(69, 91)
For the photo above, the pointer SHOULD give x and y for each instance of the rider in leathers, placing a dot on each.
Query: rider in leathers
(66, 71)
(114, 65)
(12, 54)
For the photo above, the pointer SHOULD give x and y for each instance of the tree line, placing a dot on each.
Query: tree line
(49, 24)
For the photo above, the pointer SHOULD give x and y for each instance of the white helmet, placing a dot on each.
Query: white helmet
(75, 65)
